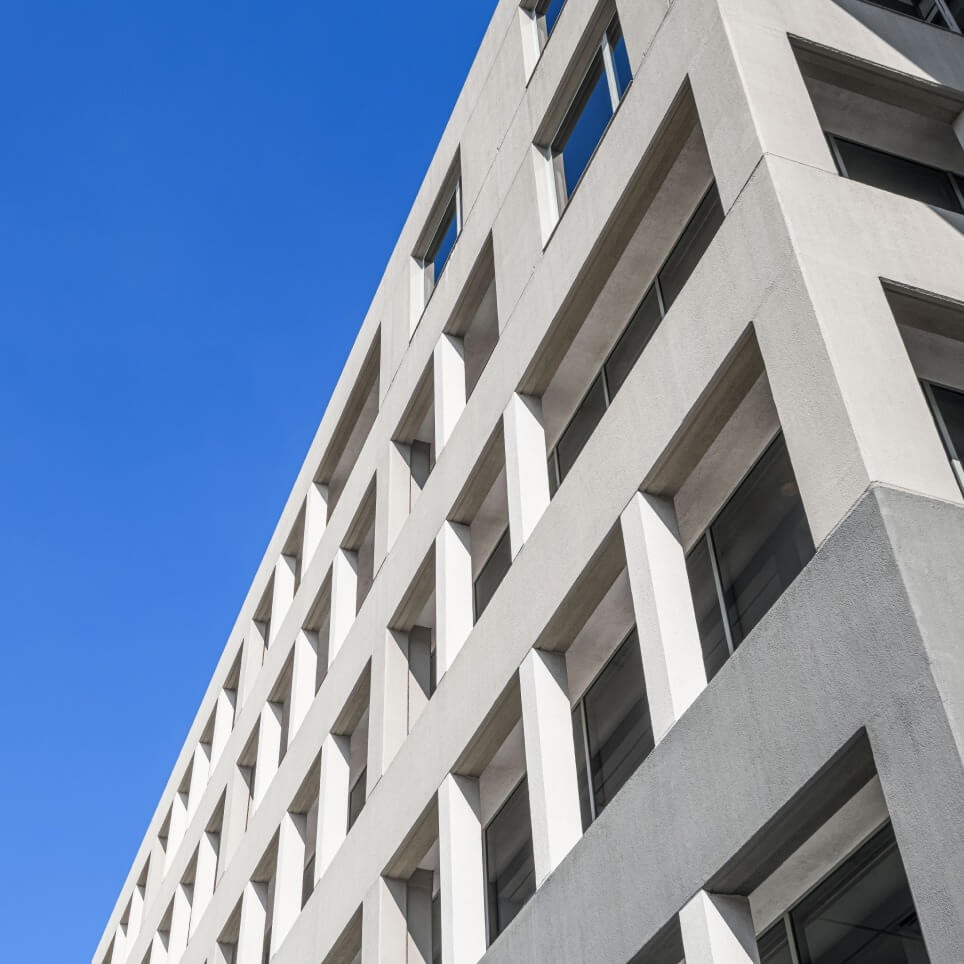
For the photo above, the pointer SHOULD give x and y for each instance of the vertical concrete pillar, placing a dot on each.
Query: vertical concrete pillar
(332, 800)
(180, 923)
(222, 954)
(200, 770)
(866, 419)
(135, 915)
(119, 949)
(254, 918)
(344, 599)
(388, 713)
(236, 803)
(282, 593)
(316, 519)
(204, 876)
(448, 370)
(384, 932)
(418, 910)
(453, 592)
(304, 672)
(269, 748)
(718, 929)
(550, 759)
(663, 604)
(155, 870)
(176, 827)
(223, 724)
(159, 948)
(461, 874)
(288, 876)
(393, 497)
(526, 472)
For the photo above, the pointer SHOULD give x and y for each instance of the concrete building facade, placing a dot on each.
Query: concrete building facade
(616, 612)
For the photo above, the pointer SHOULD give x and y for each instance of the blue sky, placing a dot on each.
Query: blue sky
(196, 203)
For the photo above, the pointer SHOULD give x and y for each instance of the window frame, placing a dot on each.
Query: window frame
(956, 180)
(944, 10)
(957, 464)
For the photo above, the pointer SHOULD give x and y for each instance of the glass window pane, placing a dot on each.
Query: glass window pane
(550, 10)
(509, 867)
(957, 10)
(694, 240)
(437, 929)
(492, 573)
(582, 777)
(632, 341)
(706, 603)
(308, 881)
(951, 407)
(863, 913)
(584, 125)
(553, 479)
(898, 175)
(356, 798)
(617, 44)
(773, 946)
(444, 241)
(618, 728)
(582, 424)
(762, 540)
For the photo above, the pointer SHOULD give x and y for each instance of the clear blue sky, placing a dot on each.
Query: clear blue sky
(197, 200)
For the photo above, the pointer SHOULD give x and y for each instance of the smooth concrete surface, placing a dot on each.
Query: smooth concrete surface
(788, 296)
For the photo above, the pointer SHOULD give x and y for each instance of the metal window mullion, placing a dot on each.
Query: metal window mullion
(720, 598)
(610, 69)
(607, 398)
(585, 749)
(837, 156)
(791, 939)
(947, 15)
(458, 207)
(945, 435)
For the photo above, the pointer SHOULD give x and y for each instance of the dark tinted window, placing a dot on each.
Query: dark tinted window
(619, 733)
(437, 929)
(584, 125)
(492, 573)
(582, 425)
(308, 881)
(762, 540)
(582, 759)
(694, 240)
(445, 238)
(509, 867)
(632, 341)
(957, 9)
(356, 798)
(951, 407)
(774, 947)
(863, 913)
(898, 175)
(706, 603)
(926, 10)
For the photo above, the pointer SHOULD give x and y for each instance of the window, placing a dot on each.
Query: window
(898, 175)
(492, 573)
(446, 236)
(941, 13)
(356, 797)
(509, 867)
(434, 249)
(612, 729)
(589, 114)
(863, 913)
(947, 407)
(748, 556)
(670, 279)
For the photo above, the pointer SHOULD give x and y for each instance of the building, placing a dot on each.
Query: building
(616, 612)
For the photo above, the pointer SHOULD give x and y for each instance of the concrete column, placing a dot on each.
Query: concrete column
(304, 671)
(180, 923)
(288, 876)
(332, 800)
(119, 949)
(282, 592)
(204, 876)
(418, 910)
(269, 749)
(316, 519)
(526, 471)
(223, 724)
(718, 929)
(200, 770)
(865, 418)
(344, 599)
(388, 714)
(159, 948)
(448, 370)
(254, 919)
(663, 604)
(222, 954)
(453, 592)
(252, 656)
(550, 759)
(384, 931)
(393, 497)
(135, 915)
(175, 827)
(155, 870)
(461, 874)
(236, 803)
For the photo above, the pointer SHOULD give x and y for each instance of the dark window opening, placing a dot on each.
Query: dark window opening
(509, 865)
(356, 797)
(492, 573)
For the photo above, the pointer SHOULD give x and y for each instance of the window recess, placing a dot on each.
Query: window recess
(947, 407)
(948, 14)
